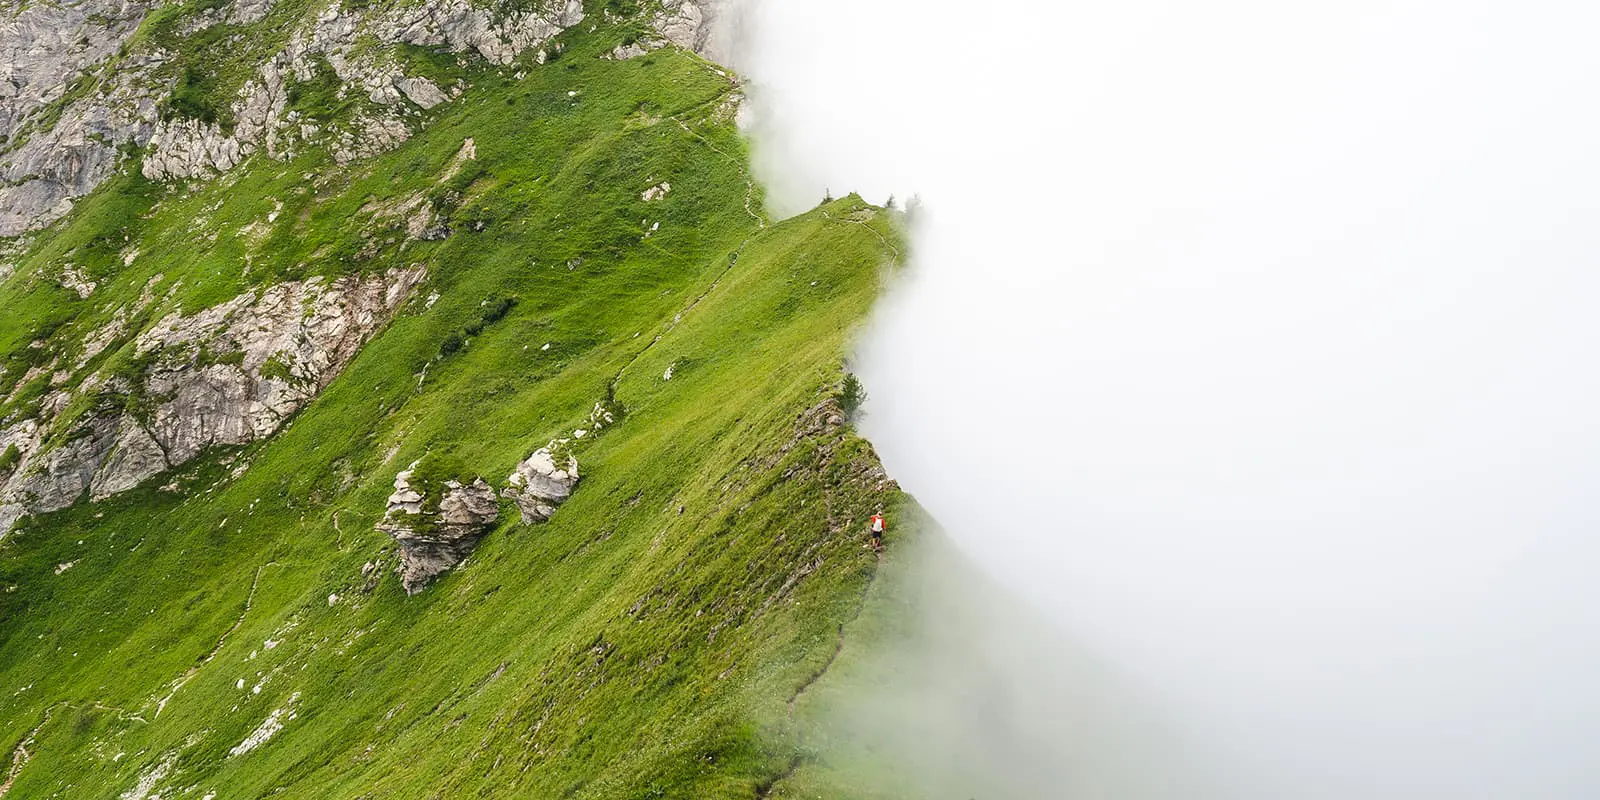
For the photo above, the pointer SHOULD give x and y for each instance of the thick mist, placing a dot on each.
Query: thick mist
(1253, 343)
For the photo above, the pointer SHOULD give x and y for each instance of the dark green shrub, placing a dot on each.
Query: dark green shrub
(497, 310)
(9, 461)
(191, 98)
(452, 344)
(494, 310)
(277, 368)
(322, 97)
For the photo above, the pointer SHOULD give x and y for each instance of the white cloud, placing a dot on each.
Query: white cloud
(1256, 341)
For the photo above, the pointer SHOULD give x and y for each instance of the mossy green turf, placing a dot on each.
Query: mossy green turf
(643, 643)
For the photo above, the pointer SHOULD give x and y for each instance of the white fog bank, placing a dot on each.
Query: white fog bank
(1257, 344)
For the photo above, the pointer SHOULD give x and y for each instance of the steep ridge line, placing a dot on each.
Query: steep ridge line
(838, 644)
(438, 745)
(896, 260)
(733, 261)
(767, 787)
(861, 604)
(749, 183)
(733, 87)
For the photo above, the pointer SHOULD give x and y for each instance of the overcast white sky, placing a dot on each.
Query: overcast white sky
(1256, 341)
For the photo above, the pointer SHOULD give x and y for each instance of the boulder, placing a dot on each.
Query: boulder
(539, 484)
(703, 26)
(434, 537)
(421, 91)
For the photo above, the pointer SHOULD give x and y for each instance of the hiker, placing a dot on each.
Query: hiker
(877, 525)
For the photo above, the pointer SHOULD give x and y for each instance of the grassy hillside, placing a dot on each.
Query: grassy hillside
(647, 642)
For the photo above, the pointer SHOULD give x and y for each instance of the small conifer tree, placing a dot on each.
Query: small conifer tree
(851, 394)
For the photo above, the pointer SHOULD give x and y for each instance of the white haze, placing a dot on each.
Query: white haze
(1256, 343)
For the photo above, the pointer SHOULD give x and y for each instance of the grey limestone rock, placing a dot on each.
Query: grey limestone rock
(540, 483)
(435, 537)
(230, 374)
(44, 49)
(245, 12)
(48, 161)
(187, 148)
(421, 91)
(703, 26)
(45, 46)
(134, 456)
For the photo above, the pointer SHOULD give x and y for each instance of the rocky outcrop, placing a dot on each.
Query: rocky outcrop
(541, 483)
(239, 12)
(49, 160)
(272, 351)
(341, 39)
(545, 480)
(189, 147)
(44, 50)
(231, 374)
(52, 159)
(436, 533)
(47, 45)
(245, 12)
(461, 25)
(40, 178)
(421, 91)
(704, 26)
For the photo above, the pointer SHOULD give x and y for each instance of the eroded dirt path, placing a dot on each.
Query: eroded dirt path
(195, 670)
(22, 755)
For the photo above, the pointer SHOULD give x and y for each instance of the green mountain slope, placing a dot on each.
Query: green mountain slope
(235, 628)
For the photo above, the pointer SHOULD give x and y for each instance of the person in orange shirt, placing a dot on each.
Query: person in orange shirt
(877, 526)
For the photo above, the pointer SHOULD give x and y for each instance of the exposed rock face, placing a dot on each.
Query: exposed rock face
(184, 148)
(43, 50)
(546, 479)
(188, 148)
(421, 91)
(46, 45)
(245, 12)
(290, 341)
(539, 484)
(434, 538)
(45, 165)
(704, 26)
(623, 52)
(48, 161)
(462, 26)
(228, 375)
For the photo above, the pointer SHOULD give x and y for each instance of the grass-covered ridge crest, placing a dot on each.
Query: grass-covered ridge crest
(644, 641)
